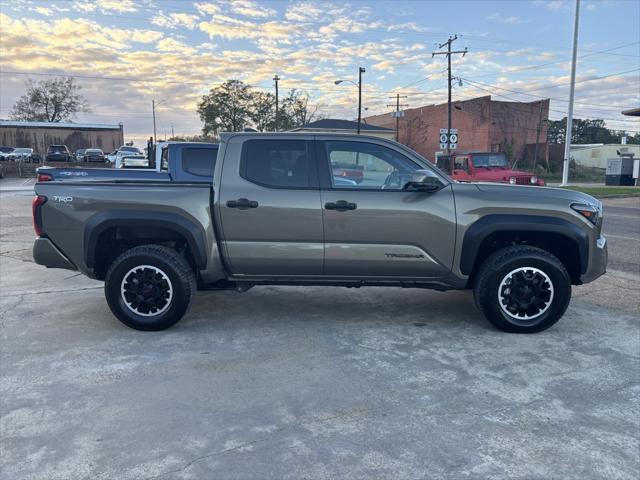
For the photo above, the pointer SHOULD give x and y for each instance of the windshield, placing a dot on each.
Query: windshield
(6, 149)
(490, 160)
(22, 150)
(94, 151)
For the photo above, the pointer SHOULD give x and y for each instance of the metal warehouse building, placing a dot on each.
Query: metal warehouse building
(39, 135)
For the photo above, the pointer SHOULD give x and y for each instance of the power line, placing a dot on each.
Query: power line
(520, 103)
(551, 98)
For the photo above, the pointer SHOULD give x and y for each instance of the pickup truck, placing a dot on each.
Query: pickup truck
(274, 214)
(175, 161)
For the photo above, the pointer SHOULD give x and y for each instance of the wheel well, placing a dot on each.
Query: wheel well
(115, 240)
(562, 247)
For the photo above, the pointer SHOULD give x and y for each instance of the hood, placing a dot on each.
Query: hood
(561, 194)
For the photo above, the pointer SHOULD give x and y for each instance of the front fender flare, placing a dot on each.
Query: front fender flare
(485, 226)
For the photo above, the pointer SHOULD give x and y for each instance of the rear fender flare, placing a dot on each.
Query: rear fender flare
(190, 230)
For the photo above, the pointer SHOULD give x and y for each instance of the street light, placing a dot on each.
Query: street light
(361, 70)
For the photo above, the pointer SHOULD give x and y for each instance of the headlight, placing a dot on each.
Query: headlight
(588, 211)
(512, 180)
(534, 180)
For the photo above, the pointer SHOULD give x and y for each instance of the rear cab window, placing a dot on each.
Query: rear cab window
(277, 163)
(198, 161)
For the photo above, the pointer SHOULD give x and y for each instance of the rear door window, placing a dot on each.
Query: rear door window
(276, 163)
(199, 161)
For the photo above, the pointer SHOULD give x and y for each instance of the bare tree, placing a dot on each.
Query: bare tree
(296, 110)
(55, 100)
(263, 111)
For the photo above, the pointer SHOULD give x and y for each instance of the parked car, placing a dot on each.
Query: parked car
(123, 151)
(21, 154)
(93, 155)
(273, 216)
(111, 156)
(132, 161)
(79, 155)
(5, 153)
(191, 162)
(58, 153)
(348, 171)
(485, 167)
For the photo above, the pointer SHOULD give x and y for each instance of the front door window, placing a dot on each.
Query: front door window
(367, 166)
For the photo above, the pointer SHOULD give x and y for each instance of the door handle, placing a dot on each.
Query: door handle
(340, 206)
(242, 204)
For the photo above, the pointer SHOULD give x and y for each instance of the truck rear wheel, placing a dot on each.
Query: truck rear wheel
(522, 289)
(149, 287)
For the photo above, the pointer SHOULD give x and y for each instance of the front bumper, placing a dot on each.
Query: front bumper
(47, 254)
(598, 263)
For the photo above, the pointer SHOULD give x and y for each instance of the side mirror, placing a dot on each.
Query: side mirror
(423, 181)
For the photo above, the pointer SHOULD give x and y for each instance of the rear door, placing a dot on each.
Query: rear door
(269, 207)
(375, 229)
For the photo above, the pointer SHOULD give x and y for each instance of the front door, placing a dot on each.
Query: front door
(372, 228)
(270, 213)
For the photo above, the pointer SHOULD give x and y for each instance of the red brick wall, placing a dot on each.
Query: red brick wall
(481, 123)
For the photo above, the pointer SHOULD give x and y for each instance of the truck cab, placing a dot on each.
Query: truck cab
(484, 167)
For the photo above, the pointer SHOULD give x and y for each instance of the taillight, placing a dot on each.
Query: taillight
(44, 177)
(38, 201)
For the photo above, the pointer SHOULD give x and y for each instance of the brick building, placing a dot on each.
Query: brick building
(39, 135)
(483, 125)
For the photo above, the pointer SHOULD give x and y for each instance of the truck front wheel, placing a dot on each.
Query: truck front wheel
(522, 289)
(149, 287)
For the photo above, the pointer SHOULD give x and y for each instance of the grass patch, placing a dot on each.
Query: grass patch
(604, 191)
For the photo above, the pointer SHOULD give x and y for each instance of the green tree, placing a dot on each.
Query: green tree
(226, 108)
(584, 131)
(55, 100)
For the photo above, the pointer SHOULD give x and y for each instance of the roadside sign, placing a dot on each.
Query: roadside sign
(449, 137)
(398, 114)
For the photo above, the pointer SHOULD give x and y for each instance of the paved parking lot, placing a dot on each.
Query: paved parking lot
(315, 382)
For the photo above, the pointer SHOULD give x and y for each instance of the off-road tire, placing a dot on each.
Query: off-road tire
(497, 268)
(170, 267)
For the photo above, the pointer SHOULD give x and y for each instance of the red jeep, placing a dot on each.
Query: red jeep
(484, 167)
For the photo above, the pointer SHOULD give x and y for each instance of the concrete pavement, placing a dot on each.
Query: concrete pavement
(313, 382)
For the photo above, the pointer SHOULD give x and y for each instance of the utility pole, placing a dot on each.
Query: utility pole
(361, 70)
(569, 129)
(153, 109)
(397, 113)
(173, 135)
(276, 78)
(448, 53)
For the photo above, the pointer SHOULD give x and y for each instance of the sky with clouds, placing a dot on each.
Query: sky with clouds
(124, 53)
